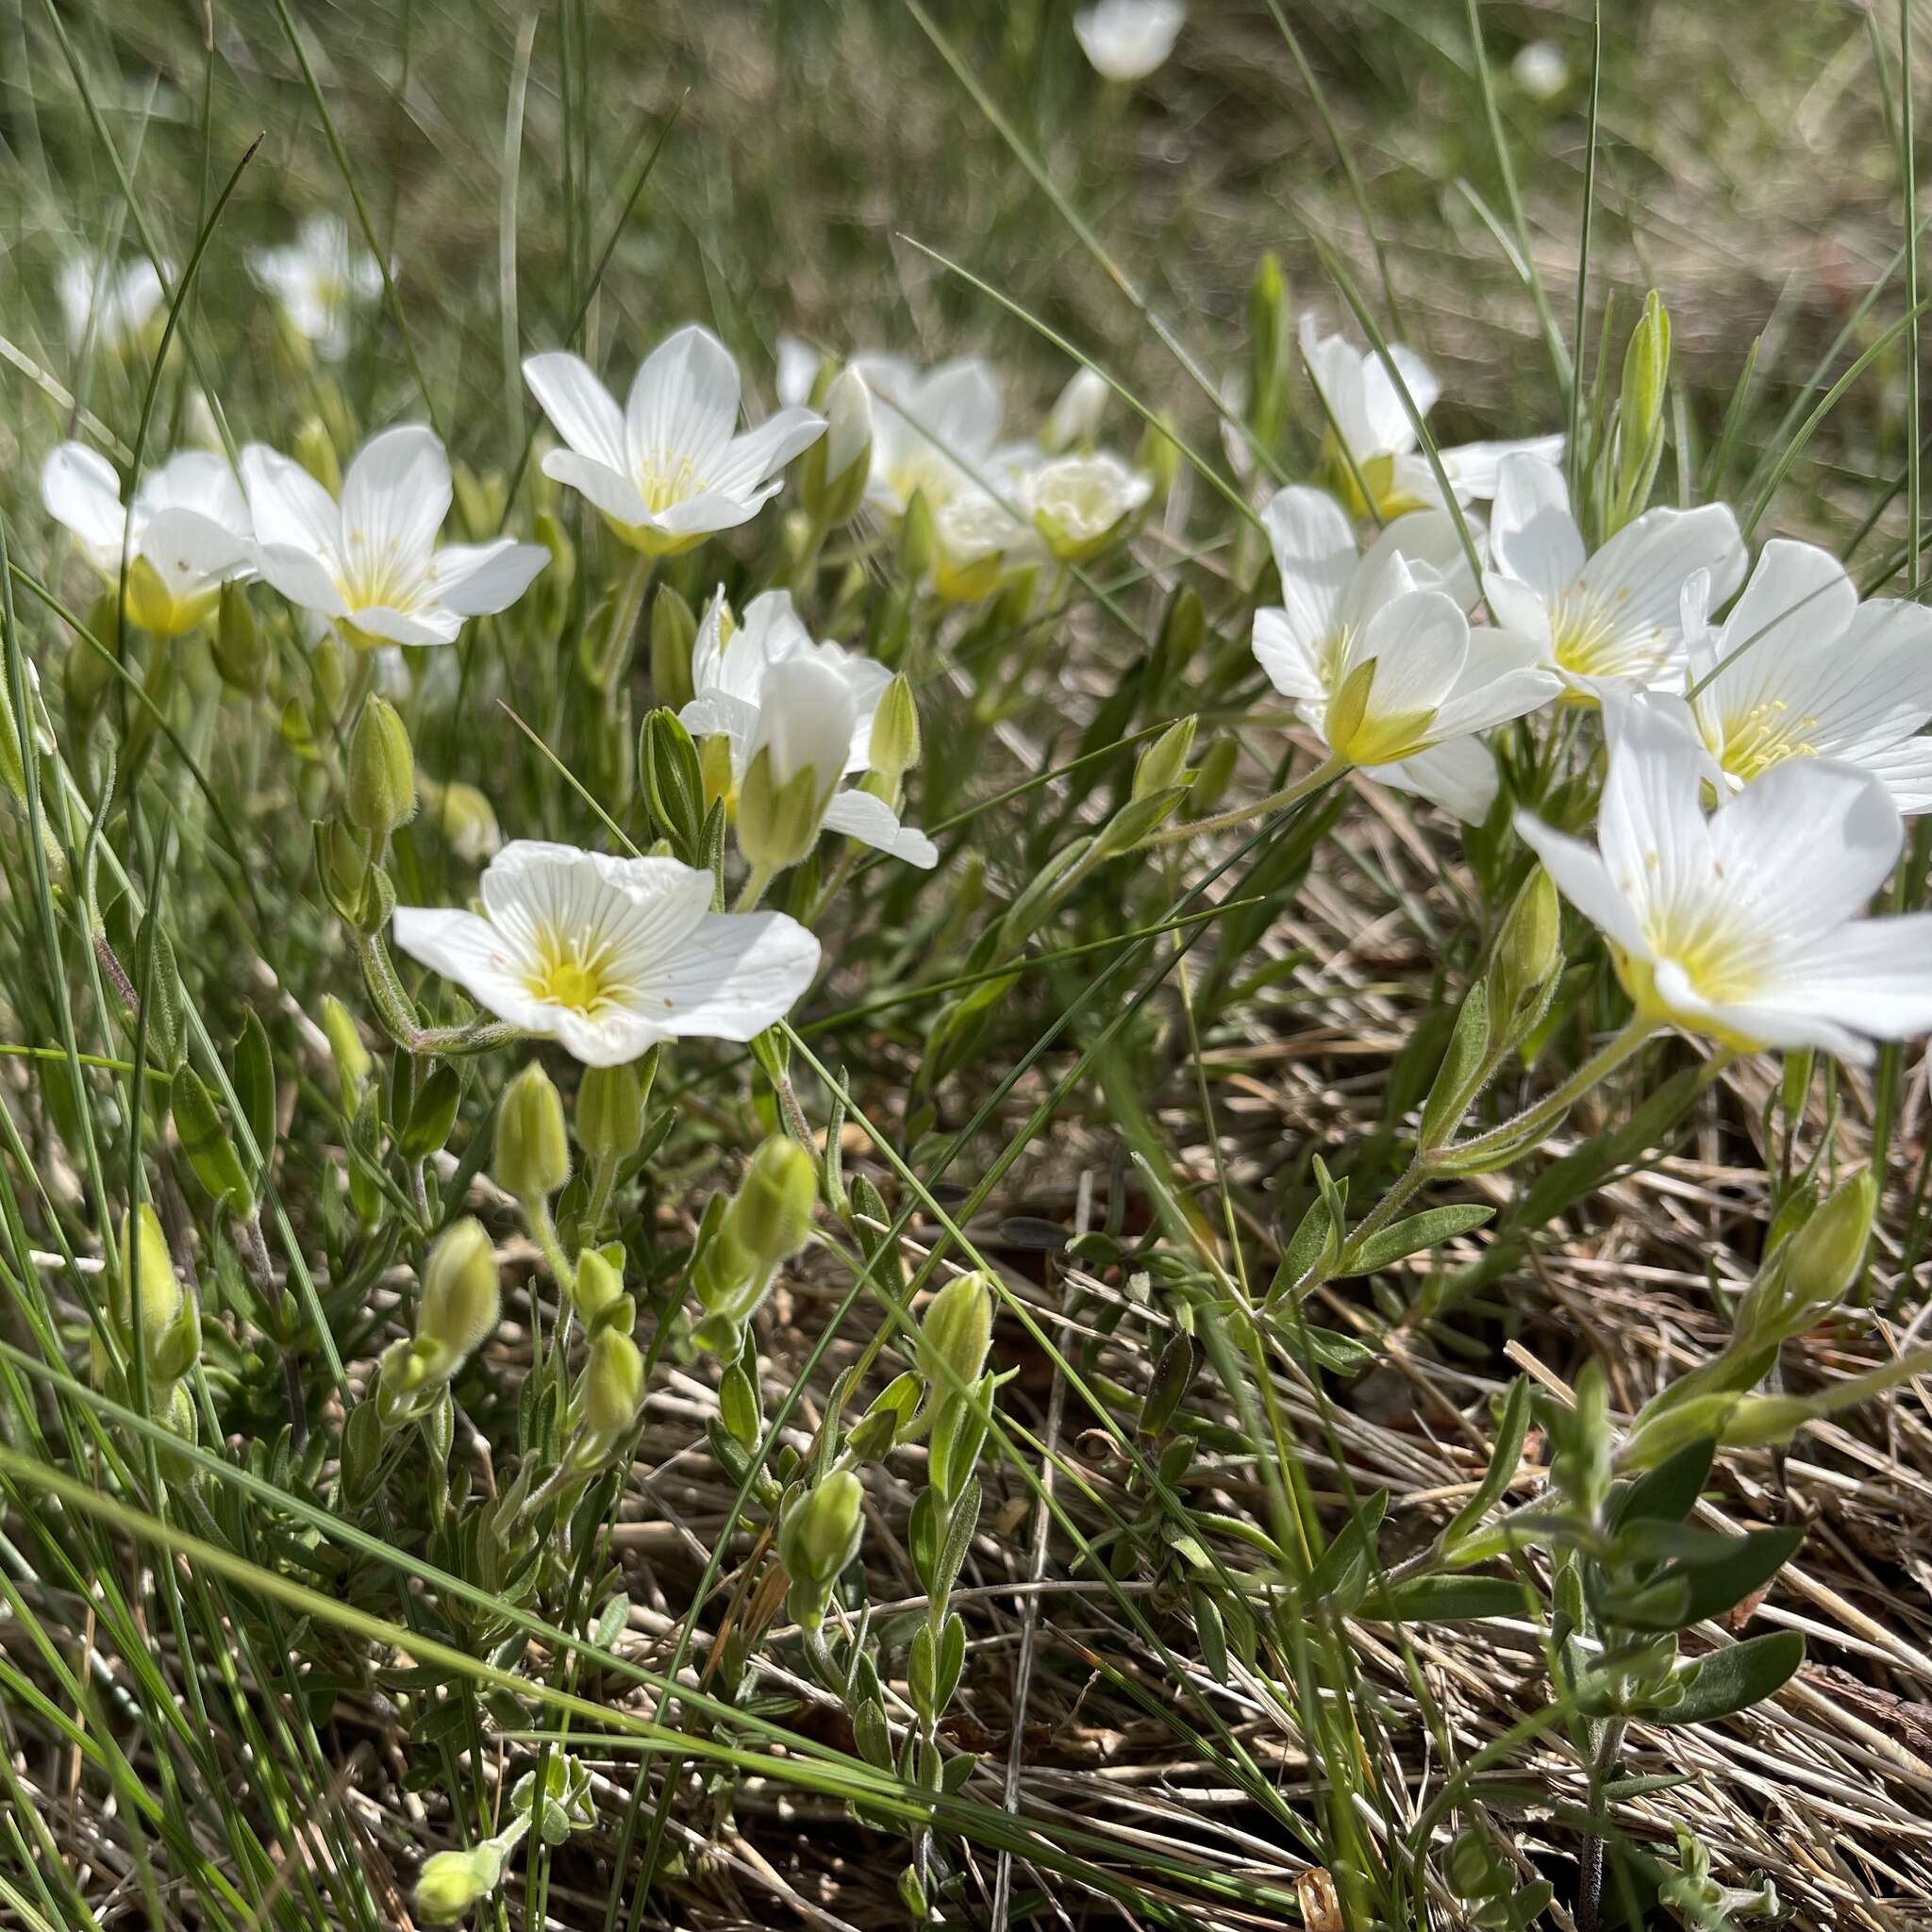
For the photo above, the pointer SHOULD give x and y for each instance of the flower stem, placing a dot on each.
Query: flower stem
(1330, 768)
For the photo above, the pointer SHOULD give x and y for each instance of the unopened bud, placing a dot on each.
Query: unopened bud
(240, 656)
(382, 770)
(532, 1149)
(806, 719)
(313, 449)
(145, 1254)
(599, 1286)
(674, 632)
(820, 1532)
(1075, 418)
(451, 1882)
(1213, 774)
(610, 1108)
(352, 1064)
(1164, 763)
(1640, 412)
(1828, 1252)
(919, 544)
(461, 1296)
(894, 747)
(465, 819)
(841, 479)
(956, 1332)
(770, 1215)
(613, 1383)
(1528, 957)
(1269, 345)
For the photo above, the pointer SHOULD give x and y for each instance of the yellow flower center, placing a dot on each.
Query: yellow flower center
(572, 972)
(1591, 638)
(1376, 475)
(1764, 736)
(381, 574)
(665, 477)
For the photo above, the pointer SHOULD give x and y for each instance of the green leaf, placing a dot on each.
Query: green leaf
(1692, 1590)
(1445, 1600)
(1460, 1076)
(204, 1141)
(1342, 1573)
(1512, 1426)
(1417, 1232)
(1736, 1677)
(1668, 1492)
(255, 1082)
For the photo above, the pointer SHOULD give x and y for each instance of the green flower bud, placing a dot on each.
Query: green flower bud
(382, 770)
(895, 745)
(142, 1241)
(1164, 763)
(820, 1532)
(1528, 957)
(239, 654)
(1213, 774)
(599, 1286)
(342, 859)
(451, 1882)
(838, 466)
(1641, 410)
(919, 543)
(352, 1064)
(779, 821)
(956, 1332)
(771, 1215)
(316, 453)
(532, 1148)
(613, 1383)
(1826, 1253)
(1270, 340)
(674, 632)
(461, 1297)
(464, 818)
(610, 1108)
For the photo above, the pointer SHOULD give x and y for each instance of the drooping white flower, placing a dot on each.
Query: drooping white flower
(1800, 669)
(186, 534)
(319, 279)
(1126, 39)
(670, 469)
(1366, 413)
(798, 369)
(934, 433)
(1540, 69)
(1745, 926)
(608, 956)
(1340, 609)
(1078, 504)
(1611, 622)
(371, 562)
(1075, 418)
(752, 695)
(111, 303)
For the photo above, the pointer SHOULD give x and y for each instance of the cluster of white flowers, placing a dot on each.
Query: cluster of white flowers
(1799, 717)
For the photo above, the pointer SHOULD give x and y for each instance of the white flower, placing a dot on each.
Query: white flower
(1402, 602)
(1076, 411)
(798, 369)
(1540, 69)
(1126, 39)
(318, 278)
(670, 469)
(752, 695)
(608, 956)
(186, 535)
(979, 539)
(114, 305)
(371, 563)
(1743, 926)
(1079, 503)
(1611, 622)
(1800, 669)
(933, 433)
(1367, 414)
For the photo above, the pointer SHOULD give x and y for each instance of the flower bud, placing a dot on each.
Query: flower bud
(820, 1532)
(1828, 1252)
(805, 721)
(465, 819)
(352, 1064)
(1081, 504)
(894, 747)
(532, 1149)
(313, 449)
(239, 654)
(673, 633)
(451, 1882)
(1164, 763)
(599, 1286)
(461, 1297)
(1641, 409)
(1075, 417)
(835, 483)
(918, 543)
(1528, 957)
(382, 770)
(143, 1241)
(1269, 344)
(1213, 774)
(613, 1383)
(610, 1108)
(956, 1332)
(771, 1215)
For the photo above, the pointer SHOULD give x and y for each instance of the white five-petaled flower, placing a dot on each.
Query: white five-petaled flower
(1402, 602)
(1126, 39)
(1611, 622)
(754, 694)
(1800, 669)
(113, 303)
(607, 955)
(371, 563)
(318, 278)
(1744, 925)
(186, 534)
(934, 433)
(1080, 503)
(1367, 415)
(670, 469)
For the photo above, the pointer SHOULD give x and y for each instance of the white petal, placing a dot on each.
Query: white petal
(424, 625)
(1459, 775)
(1906, 771)
(1336, 371)
(957, 408)
(1650, 825)
(642, 908)
(761, 453)
(1797, 592)
(1292, 666)
(580, 409)
(300, 577)
(467, 949)
(81, 489)
(1430, 545)
(474, 578)
(716, 510)
(1582, 877)
(684, 403)
(607, 489)
(287, 507)
(1475, 468)
(1533, 537)
(1418, 641)
(1643, 568)
(395, 496)
(613, 1036)
(191, 552)
(735, 974)
(873, 822)
(1388, 426)
(1314, 552)
(1875, 976)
